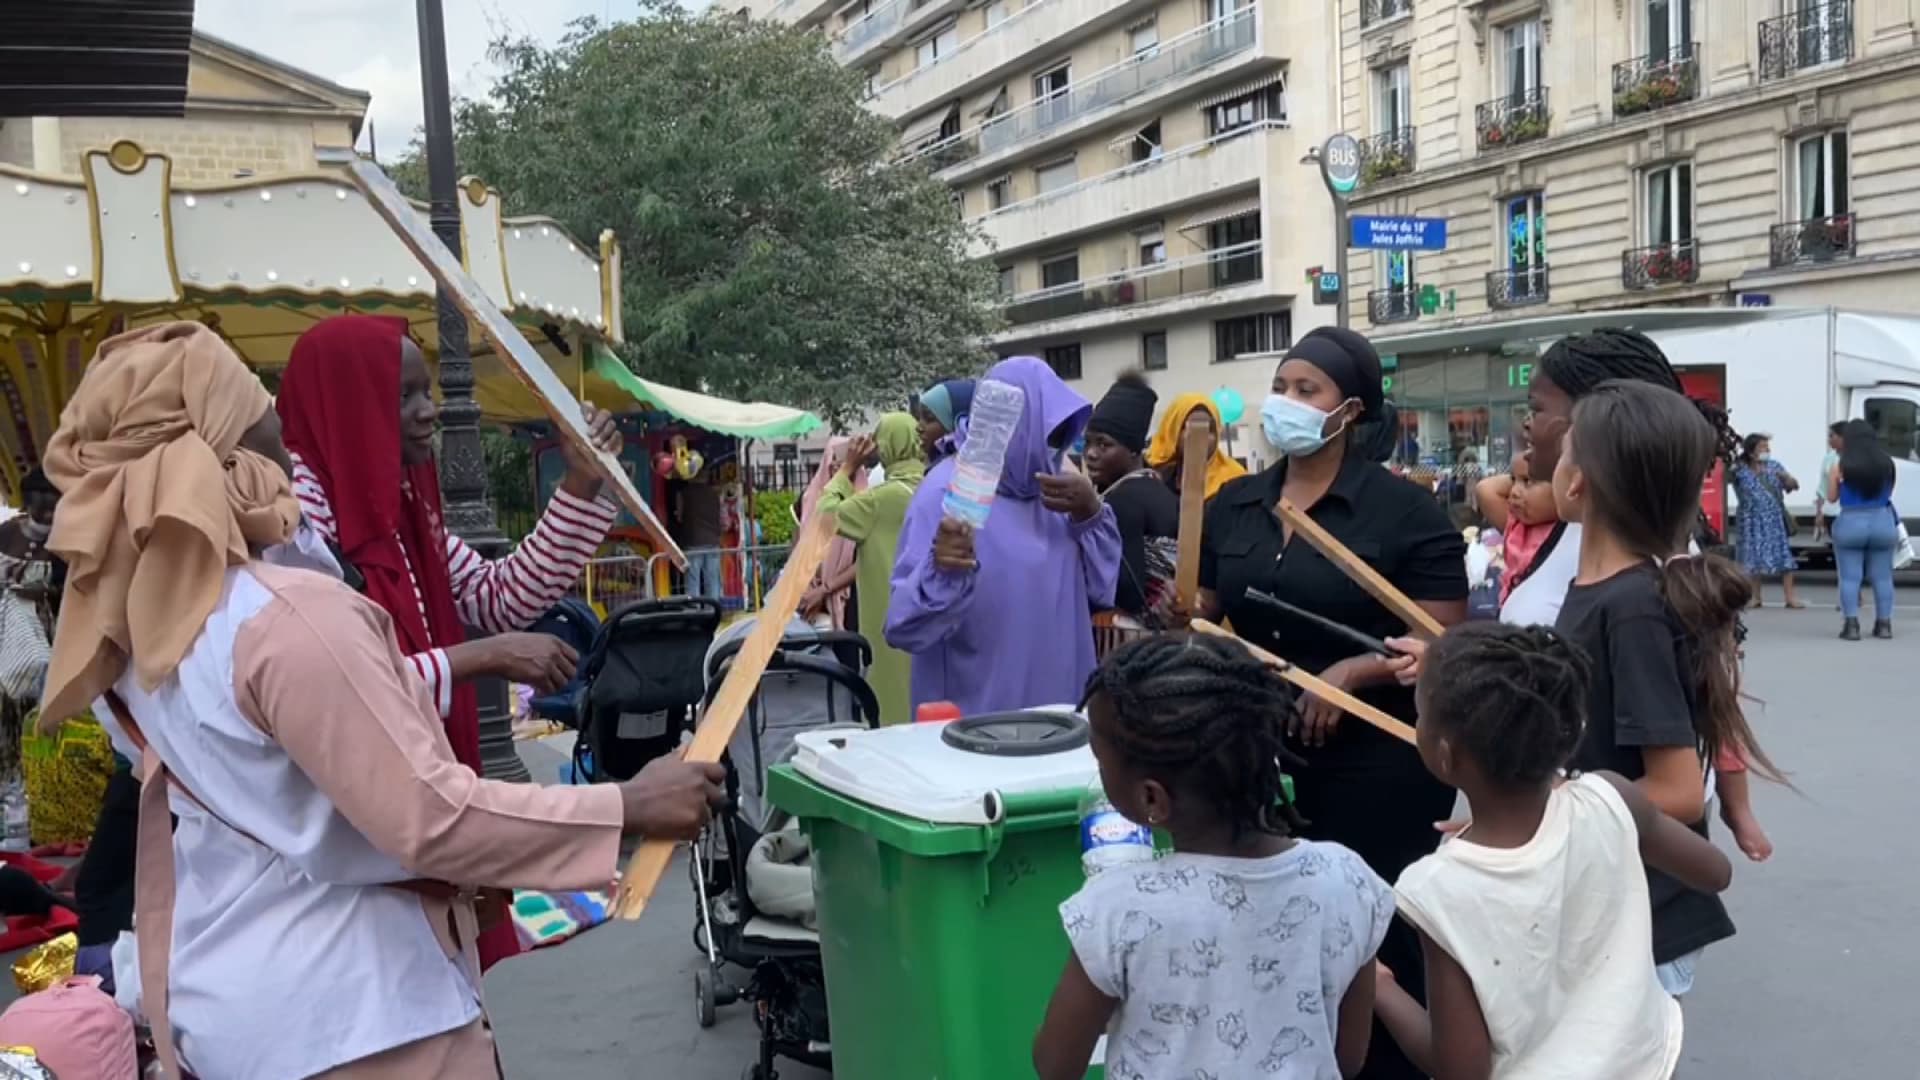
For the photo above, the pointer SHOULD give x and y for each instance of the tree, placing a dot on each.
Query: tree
(771, 248)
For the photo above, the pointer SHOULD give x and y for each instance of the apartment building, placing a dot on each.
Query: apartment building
(1596, 154)
(1135, 167)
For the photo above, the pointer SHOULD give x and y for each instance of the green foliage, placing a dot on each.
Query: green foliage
(510, 485)
(774, 511)
(771, 248)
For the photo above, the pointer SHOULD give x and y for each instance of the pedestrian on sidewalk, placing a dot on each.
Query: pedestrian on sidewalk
(1867, 530)
(871, 520)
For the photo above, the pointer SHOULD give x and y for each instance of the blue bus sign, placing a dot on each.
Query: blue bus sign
(1399, 233)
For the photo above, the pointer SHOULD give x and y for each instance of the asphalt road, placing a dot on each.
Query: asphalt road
(1814, 987)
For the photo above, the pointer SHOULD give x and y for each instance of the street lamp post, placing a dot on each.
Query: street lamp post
(463, 469)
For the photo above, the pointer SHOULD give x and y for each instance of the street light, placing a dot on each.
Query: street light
(463, 467)
(1339, 162)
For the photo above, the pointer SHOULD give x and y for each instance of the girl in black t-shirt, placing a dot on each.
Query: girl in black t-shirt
(1659, 625)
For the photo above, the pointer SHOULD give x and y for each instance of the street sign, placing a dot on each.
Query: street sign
(1340, 164)
(1399, 233)
(1756, 299)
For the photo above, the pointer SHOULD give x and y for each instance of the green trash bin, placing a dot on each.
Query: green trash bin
(938, 895)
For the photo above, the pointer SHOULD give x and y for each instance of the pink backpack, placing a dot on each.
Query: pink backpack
(75, 1030)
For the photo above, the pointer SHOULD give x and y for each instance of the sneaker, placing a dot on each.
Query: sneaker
(1883, 629)
(1850, 630)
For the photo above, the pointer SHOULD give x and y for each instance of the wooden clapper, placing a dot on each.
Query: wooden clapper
(1194, 455)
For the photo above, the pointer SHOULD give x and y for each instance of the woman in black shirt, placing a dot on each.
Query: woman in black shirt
(1360, 787)
(1147, 512)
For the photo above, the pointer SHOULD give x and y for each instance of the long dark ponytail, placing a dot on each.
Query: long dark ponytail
(1865, 465)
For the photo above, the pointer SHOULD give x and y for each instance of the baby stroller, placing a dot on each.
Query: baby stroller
(753, 890)
(642, 682)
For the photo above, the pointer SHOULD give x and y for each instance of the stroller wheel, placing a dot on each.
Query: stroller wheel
(705, 1005)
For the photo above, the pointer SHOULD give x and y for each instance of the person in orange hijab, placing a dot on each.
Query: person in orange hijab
(1163, 453)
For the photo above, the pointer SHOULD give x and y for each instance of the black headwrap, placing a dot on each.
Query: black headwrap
(1348, 359)
(1125, 415)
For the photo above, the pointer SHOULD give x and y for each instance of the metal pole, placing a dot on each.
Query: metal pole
(463, 468)
(1344, 317)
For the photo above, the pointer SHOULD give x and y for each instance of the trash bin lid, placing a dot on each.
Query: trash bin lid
(1017, 734)
(911, 769)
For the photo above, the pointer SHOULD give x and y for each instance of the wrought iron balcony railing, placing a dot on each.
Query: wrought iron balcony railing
(1808, 38)
(1655, 82)
(1387, 155)
(1816, 240)
(1379, 11)
(1650, 267)
(1519, 286)
(1510, 121)
(1393, 306)
(1217, 269)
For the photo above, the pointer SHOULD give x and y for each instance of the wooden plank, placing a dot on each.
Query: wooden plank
(1313, 684)
(1417, 618)
(736, 692)
(511, 344)
(1193, 504)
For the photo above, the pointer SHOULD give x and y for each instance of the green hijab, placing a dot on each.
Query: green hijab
(897, 438)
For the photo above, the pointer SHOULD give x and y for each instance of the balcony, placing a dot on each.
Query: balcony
(1520, 286)
(1385, 156)
(884, 24)
(1655, 82)
(1812, 242)
(1218, 269)
(1650, 267)
(1378, 11)
(1007, 44)
(1180, 56)
(1214, 167)
(1809, 38)
(1511, 121)
(1386, 306)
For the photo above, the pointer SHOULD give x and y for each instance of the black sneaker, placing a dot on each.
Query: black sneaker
(1850, 630)
(1883, 629)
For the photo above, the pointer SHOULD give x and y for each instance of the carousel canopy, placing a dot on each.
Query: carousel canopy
(95, 57)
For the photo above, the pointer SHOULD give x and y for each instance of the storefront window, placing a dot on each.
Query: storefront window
(1461, 418)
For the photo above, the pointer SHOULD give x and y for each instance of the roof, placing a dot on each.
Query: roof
(265, 61)
(95, 57)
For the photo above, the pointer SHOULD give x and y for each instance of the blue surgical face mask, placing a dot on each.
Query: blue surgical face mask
(1292, 427)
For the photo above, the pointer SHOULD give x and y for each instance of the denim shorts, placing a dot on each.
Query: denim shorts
(1676, 976)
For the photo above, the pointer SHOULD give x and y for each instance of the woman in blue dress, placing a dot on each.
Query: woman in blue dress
(1761, 545)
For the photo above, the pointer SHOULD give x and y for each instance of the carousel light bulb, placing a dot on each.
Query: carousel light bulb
(21, 190)
(380, 279)
(344, 283)
(193, 275)
(340, 194)
(73, 271)
(412, 281)
(271, 276)
(516, 234)
(233, 275)
(192, 202)
(26, 268)
(229, 201)
(299, 193)
(309, 283)
(71, 198)
(266, 196)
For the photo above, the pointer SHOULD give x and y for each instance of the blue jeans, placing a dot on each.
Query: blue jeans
(703, 574)
(1863, 543)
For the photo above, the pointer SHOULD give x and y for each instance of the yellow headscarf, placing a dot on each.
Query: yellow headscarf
(157, 501)
(1164, 450)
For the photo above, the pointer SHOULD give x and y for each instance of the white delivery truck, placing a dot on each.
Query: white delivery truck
(1789, 373)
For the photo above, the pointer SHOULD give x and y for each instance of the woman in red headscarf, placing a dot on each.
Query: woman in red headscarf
(356, 406)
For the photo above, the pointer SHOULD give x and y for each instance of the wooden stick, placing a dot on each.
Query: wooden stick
(1417, 618)
(1193, 504)
(736, 692)
(519, 356)
(1317, 686)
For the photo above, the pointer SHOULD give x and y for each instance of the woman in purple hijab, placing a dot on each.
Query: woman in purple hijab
(999, 619)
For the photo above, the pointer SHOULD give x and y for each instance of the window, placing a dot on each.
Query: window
(1236, 236)
(1825, 31)
(1526, 231)
(1144, 38)
(1051, 103)
(1153, 350)
(1823, 184)
(1234, 231)
(936, 46)
(1669, 28)
(1896, 419)
(1247, 110)
(1064, 360)
(1520, 57)
(1008, 282)
(1146, 145)
(950, 127)
(1268, 331)
(1153, 246)
(997, 13)
(959, 204)
(1220, 9)
(1393, 100)
(1394, 271)
(1060, 270)
(1669, 202)
(999, 192)
(1053, 177)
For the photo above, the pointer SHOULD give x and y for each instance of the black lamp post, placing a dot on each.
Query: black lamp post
(463, 467)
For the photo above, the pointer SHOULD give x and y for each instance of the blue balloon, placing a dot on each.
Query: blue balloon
(1229, 402)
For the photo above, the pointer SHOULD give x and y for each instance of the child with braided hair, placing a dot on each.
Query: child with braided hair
(1244, 951)
(1535, 918)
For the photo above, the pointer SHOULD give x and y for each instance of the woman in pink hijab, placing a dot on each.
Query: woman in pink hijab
(825, 602)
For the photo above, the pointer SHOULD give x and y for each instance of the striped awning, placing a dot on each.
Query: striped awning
(927, 128)
(1213, 215)
(95, 57)
(1276, 77)
(991, 103)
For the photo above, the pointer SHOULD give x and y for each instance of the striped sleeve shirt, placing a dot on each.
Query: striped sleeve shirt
(495, 596)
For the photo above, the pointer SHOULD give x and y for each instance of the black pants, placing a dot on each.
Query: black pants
(22, 894)
(1382, 804)
(103, 890)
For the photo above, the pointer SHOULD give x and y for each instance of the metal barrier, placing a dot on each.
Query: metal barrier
(745, 576)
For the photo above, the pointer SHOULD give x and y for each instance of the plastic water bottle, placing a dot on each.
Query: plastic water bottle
(1107, 837)
(976, 473)
(13, 816)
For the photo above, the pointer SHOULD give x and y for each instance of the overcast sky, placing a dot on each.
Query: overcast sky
(370, 44)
